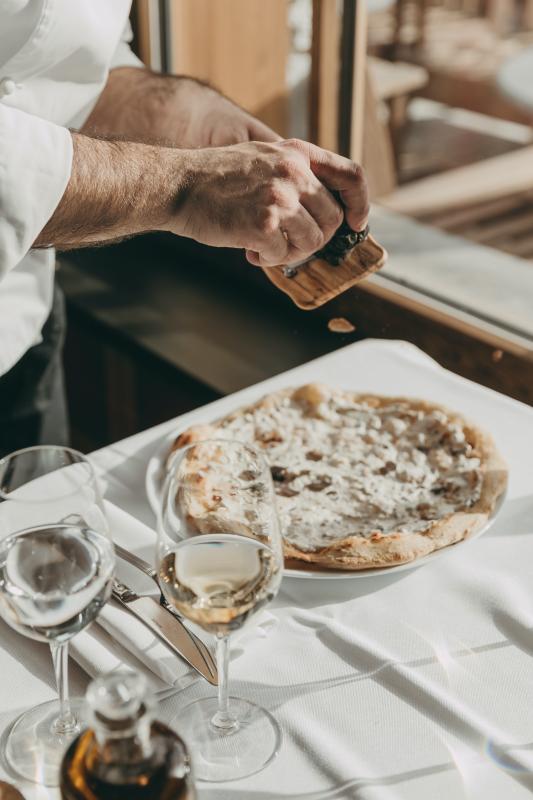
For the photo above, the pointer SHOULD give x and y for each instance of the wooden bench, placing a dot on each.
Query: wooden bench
(485, 181)
(490, 202)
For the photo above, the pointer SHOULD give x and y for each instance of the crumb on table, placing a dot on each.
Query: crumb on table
(340, 325)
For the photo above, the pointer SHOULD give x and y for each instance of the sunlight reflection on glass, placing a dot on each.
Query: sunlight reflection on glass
(517, 758)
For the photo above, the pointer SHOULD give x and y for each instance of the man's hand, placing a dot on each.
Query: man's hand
(238, 184)
(214, 121)
(269, 199)
(177, 111)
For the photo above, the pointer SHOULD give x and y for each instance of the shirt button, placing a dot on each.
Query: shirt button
(7, 86)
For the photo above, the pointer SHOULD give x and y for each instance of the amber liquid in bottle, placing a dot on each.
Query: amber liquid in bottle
(88, 774)
(125, 755)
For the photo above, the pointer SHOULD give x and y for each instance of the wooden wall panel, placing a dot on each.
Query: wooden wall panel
(239, 46)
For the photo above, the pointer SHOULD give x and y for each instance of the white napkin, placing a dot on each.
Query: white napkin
(117, 640)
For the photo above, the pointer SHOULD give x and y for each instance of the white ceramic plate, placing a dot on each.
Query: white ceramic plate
(155, 476)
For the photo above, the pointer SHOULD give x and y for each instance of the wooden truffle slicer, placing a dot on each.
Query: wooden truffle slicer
(346, 260)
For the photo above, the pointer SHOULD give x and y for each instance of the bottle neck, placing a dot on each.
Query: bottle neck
(126, 739)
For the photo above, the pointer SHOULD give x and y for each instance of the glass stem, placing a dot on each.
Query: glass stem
(66, 723)
(223, 720)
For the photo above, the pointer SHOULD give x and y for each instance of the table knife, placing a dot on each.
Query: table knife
(167, 627)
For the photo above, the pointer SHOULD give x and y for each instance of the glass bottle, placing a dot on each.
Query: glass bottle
(125, 754)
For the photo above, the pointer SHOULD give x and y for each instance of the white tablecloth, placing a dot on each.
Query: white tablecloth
(418, 685)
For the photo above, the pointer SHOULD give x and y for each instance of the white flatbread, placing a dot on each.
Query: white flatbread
(364, 481)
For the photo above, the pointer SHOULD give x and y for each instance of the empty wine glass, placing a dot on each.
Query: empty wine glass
(56, 568)
(220, 560)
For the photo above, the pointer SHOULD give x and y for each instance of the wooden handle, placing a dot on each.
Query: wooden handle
(316, 282)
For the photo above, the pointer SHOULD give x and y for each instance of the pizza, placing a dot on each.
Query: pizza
(365, 481)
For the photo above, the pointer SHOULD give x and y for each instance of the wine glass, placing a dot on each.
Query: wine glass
(56, 569)
(220, 560)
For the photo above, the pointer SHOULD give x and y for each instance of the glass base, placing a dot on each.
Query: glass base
(220, 754)
(34, 748)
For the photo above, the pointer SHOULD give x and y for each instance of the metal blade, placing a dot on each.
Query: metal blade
(125, 594)
(171, 631)
(291, 270)
(335, 251)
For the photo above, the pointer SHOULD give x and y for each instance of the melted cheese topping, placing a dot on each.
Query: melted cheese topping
(345, 469)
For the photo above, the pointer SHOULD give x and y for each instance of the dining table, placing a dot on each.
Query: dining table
(416, 684)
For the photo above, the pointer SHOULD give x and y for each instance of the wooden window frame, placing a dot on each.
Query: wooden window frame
(148, 20)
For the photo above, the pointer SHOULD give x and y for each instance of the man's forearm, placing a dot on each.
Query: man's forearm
(146, 106)
(269, 199)
(116, 189)
(171, 110)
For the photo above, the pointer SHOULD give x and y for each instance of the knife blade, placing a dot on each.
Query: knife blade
(167, 627)
(143, 566)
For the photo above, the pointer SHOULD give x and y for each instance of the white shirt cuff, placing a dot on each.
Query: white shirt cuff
(123, 55)
(35, 167)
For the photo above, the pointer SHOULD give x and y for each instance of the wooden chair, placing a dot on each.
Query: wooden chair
(394, 83)
(489, 201)
(461, 43)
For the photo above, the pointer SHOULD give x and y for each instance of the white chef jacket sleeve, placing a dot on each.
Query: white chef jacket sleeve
(35, 167)
(123, 55)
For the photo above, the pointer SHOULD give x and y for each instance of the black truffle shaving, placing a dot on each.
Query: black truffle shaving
(344, 240)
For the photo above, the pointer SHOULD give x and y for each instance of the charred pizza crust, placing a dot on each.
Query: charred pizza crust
(355, 551)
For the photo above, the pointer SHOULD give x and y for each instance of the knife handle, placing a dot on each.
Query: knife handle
(122, 592)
